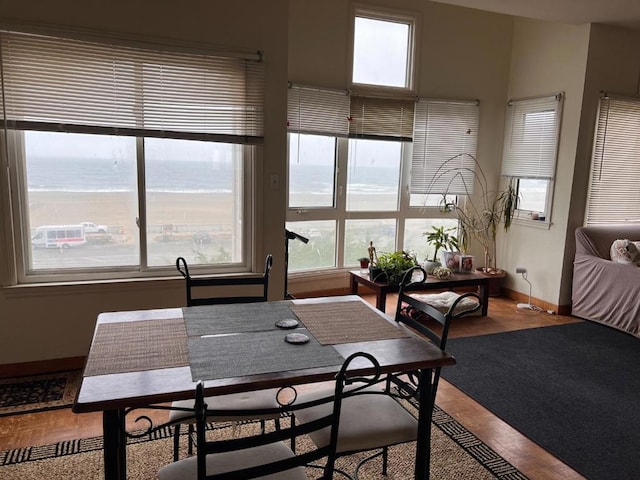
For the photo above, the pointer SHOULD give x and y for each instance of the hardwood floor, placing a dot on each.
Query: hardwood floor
(57, 425)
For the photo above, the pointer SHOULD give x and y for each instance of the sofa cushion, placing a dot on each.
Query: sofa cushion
(625, 251)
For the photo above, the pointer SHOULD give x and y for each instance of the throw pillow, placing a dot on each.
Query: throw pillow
(625, 252)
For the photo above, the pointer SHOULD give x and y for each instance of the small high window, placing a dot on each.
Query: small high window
(383, 49)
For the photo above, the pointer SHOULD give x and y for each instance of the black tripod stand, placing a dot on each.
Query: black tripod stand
(289, 235)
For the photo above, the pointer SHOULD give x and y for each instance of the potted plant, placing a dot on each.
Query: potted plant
(364, 262)
(482, 215)
(394, 265)
(439, 237)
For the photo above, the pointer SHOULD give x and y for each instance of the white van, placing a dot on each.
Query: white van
(58, 236)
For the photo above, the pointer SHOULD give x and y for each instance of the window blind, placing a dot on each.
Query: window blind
(77, 86)
(381, 118)
(613, 195)
(444, 147)
(317, 111)
(531, 137)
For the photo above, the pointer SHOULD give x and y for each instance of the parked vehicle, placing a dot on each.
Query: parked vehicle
(90, 227)
(58, 236)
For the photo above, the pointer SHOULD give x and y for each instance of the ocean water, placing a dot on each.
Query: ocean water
(109, 175)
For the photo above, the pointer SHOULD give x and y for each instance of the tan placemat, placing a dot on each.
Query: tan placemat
(345, 322)
(135, 346)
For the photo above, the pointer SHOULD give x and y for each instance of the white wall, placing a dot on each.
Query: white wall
(49, 322)
(462, 53)
(613, 65)
(547, 58)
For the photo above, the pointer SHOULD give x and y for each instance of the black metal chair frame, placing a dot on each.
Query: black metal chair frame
(218, 281)
(207, 447)
(397, 387)
(223, 281)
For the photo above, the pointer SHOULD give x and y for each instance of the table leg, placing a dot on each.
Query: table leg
(115, 445)
(354, 285)
(423, 444)
(484, 297)
(381, 300)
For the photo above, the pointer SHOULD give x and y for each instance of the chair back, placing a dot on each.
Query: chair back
(284, 434)
(405, 300)
(198, 288)
(439, 338)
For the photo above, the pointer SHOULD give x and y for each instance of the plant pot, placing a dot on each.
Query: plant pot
(495, 280)
(377, 275)
(364, 263)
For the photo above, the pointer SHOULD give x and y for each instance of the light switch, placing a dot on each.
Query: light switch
(275, 182)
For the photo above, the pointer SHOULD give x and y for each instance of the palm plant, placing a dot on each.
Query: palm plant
(440, 237)
(481, 218)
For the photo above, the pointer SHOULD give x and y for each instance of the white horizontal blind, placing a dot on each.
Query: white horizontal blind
(317, 111)
(531, 137)
(70, 85)
(614, 196)
(444, 147)
(381, 118)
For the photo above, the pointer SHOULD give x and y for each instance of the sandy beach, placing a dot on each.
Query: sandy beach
(198, 211)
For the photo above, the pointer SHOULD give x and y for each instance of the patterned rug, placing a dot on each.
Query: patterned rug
(38, 393)
(455, 454)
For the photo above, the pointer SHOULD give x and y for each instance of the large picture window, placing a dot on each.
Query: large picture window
(128, 157)
(349, 186)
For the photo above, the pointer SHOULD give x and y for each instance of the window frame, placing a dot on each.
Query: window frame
(15, 220)
(512, 170)
(394, 16)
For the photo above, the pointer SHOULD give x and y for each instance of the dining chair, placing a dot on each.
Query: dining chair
(199, 288)
(267, 454)
(375, 419)
(249, 401)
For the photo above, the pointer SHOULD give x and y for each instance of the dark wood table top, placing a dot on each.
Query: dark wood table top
(113, 391)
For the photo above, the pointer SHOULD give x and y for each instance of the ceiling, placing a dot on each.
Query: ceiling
(623, 13)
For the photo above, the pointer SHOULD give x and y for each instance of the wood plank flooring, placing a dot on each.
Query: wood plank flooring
(57, 425)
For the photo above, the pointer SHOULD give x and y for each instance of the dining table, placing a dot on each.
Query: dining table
(143, 358)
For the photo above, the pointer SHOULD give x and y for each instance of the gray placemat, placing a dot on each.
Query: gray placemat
(238, 318)
(255, 353)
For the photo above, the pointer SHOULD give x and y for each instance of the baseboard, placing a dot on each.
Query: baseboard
(11, 370)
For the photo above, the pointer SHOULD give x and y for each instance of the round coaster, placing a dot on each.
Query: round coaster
(296, 338)
(287, 323)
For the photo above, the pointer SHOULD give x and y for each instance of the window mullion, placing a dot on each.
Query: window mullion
(141, 220)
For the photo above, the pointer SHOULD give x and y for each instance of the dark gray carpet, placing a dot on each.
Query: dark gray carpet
(573, 389)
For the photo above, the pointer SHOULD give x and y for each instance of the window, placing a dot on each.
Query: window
(444, 151)
(383, 49)
(346, 192)
(613, 195)
(122, 178)
(530, 151)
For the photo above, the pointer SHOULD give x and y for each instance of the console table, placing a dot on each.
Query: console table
(431, 283)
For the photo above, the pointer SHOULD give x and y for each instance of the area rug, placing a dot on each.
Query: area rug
(38, 393)
(573, 389)
(456, 454)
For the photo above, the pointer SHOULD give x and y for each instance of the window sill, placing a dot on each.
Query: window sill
(527, 222)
